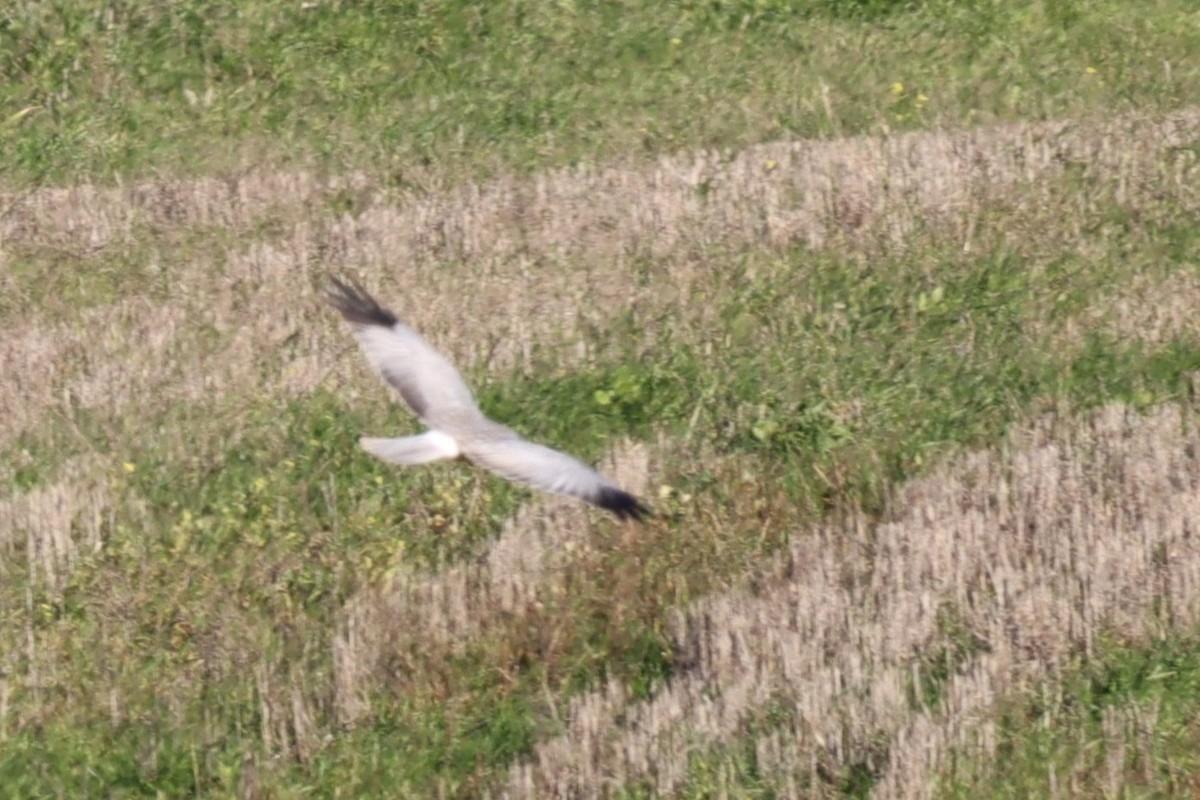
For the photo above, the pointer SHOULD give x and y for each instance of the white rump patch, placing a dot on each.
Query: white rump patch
(412, 450)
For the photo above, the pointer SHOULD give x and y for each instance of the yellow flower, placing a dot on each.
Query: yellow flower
(1090, 70)
(676, 41)
(921, 100)
(129, 466)
(897, 88)
(771, 164)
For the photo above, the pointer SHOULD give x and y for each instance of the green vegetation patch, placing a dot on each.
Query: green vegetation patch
(835, 377)
(1122, 722)
(96, 89)
(793, 384)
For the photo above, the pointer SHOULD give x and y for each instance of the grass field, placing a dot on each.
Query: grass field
(887, 309)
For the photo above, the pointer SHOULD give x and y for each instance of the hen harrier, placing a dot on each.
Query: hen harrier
(437, 394)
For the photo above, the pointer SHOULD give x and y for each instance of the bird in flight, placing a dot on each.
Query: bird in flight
(437, 394)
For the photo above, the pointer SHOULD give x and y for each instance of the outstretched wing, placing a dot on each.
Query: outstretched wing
(553, 471)
(427, 381)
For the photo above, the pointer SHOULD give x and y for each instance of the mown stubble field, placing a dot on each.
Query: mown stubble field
(916, 408)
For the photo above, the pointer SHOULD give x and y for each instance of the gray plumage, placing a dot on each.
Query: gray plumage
(437, 394)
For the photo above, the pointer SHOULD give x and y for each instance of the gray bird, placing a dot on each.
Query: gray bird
(437, 394)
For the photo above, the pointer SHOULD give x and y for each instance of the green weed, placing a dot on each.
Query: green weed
(94, 89)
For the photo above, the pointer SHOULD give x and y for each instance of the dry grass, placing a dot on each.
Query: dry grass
(1013, 561)
(50, 528)
(220, 323)
(806, 191)
(1081, 529)
(53, 524)
(532, 561)
(1151, 310)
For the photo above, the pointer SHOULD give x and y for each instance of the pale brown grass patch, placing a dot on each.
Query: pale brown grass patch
(48, 530)
(1079, 528)
(773, 193)
(56, 524)
(493, 272)
(532, 560)
(1153, 310)
(513, 271)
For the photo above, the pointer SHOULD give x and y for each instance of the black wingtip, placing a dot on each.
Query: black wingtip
(356, 305)
(623, 504)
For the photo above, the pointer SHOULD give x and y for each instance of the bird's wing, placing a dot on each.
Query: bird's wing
(552, 471)
(427, 381)
(412, 450)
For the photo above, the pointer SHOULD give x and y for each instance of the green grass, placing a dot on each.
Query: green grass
(102, 761)
(244, 523)
(839, 378)
(1059, 728)
(1054, 728)
(95, 89)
